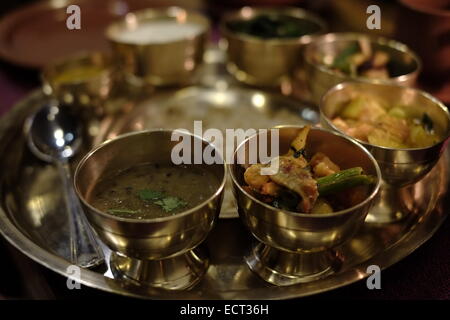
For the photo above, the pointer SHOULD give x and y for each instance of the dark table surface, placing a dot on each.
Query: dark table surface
(425, 274)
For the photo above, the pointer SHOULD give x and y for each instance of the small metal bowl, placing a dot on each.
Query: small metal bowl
(296, 247)
(161, 252)
(399, 167)
(265, 62)
(84, 79)
(320, 77)
(164, 63)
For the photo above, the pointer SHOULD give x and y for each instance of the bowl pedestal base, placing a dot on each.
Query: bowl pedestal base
(175, 273)
(282, 268)
(388, 207)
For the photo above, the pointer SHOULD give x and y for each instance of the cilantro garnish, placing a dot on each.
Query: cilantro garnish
(150, 195)
(169, 204)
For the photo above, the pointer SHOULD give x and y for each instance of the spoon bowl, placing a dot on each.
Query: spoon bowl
(53, 134)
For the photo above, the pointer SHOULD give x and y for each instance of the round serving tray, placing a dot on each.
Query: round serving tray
(32, 218)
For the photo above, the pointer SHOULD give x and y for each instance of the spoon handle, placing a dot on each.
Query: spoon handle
(84, 247)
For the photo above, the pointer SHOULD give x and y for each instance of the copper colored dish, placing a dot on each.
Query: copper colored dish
(24, 31)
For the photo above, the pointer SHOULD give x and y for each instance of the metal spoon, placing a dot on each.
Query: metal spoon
(54, 135)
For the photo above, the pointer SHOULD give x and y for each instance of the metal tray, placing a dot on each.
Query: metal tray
(32, 220)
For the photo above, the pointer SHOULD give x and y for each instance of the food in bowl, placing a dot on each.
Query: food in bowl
(370, 119)
(161, 47)
(339, 57)
(264, 44)
(274, 25)
(76, 74)
(83, 78)
(150, 190)
(359, 59)
(307, 183)
(363, 58)
(159, 31)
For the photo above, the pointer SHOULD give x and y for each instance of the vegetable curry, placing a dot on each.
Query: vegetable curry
(307, 185)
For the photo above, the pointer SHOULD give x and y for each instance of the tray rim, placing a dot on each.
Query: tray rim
(412, 240)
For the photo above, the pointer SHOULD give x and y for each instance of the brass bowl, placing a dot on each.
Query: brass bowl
(165, 63)
(84, 79)
(141, 245)
(321, 78)
(265, 62)
(297, 247)
(399, 167)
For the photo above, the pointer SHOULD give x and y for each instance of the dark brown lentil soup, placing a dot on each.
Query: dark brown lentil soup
(151, 191)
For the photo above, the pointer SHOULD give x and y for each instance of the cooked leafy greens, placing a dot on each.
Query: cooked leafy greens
(274, 26)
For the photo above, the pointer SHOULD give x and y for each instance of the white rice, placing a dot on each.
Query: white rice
(164, 31)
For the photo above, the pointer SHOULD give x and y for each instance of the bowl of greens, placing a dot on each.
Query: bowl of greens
(264, 45)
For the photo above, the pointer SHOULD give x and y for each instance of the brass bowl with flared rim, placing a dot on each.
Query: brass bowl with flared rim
(266, 62)
(298, 247)
(399, 167)
(161, 252)
(320, 77)
(160, 63)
